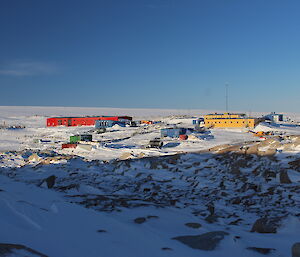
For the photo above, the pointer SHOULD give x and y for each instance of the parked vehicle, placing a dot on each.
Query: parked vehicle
(155, 143)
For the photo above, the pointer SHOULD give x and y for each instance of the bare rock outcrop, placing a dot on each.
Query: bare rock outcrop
(50, 181)
(193, 225)
(284, 177)
(264, 225)
(261, 250)
(208, 241)
(18, 250)
(296, 250)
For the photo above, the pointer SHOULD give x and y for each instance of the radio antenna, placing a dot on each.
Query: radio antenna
(226, 92)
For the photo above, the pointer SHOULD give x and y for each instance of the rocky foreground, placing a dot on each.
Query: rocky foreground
(253, 186)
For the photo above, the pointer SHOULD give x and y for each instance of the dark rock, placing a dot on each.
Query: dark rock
(235, 222)
(241, 163)
(124, 203)
(157, 187)
(295, 164)
(68, 187)
(167, 249)
(15, 249)
(261, 250)
(195, 164)
(268, 175)
(173, 159)
(211, 208)
(264, 225)
(193, 225)
(207, 241)
(296, 250)
(152, 217)
(284, 178)
(256, 171)
(101, 230)
(139, 220)
(154, 164)
(249, 202)
(50, 181)
(139, 174)
(235, 170)
(173, 202)
(224, 194)
(211, 219)
(221, 185)
(236, 200)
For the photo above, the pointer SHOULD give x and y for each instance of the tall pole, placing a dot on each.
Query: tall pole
(226, 88)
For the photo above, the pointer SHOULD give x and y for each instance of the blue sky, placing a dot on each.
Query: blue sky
(151, 53)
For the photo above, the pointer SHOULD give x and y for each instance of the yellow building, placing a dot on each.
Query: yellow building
(229, 120)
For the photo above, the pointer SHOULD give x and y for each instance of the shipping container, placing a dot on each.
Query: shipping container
(68, 146)
(86, 138)
(77, 138)
(74, 139)
(173, 132)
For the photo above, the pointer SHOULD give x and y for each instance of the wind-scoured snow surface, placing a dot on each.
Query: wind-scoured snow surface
(99, 205)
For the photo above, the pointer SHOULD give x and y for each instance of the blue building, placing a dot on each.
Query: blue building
(108, 123)
(198, 121)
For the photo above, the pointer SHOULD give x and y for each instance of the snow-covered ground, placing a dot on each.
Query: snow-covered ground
(99, 205)
(115, 142)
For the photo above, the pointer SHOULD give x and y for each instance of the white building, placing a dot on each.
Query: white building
(275, 117)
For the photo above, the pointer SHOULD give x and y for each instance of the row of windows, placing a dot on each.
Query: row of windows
(227, 122)
(104, 123)
(75, 122)
(224, 118)
(60, 122)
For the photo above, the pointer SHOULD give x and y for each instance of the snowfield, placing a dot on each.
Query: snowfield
(223, 192)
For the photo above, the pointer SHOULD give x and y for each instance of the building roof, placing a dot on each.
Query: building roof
(225, 113)
(81, 117)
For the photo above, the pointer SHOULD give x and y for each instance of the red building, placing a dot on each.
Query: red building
(81, 121)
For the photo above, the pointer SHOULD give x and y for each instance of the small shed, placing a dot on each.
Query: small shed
(64, 146)
(77, 138)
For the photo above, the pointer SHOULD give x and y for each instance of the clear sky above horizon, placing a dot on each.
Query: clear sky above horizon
(151, 53)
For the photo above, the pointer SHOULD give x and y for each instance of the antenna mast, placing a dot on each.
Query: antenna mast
(226, 90)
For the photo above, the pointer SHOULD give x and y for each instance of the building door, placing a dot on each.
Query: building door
(69, 122)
